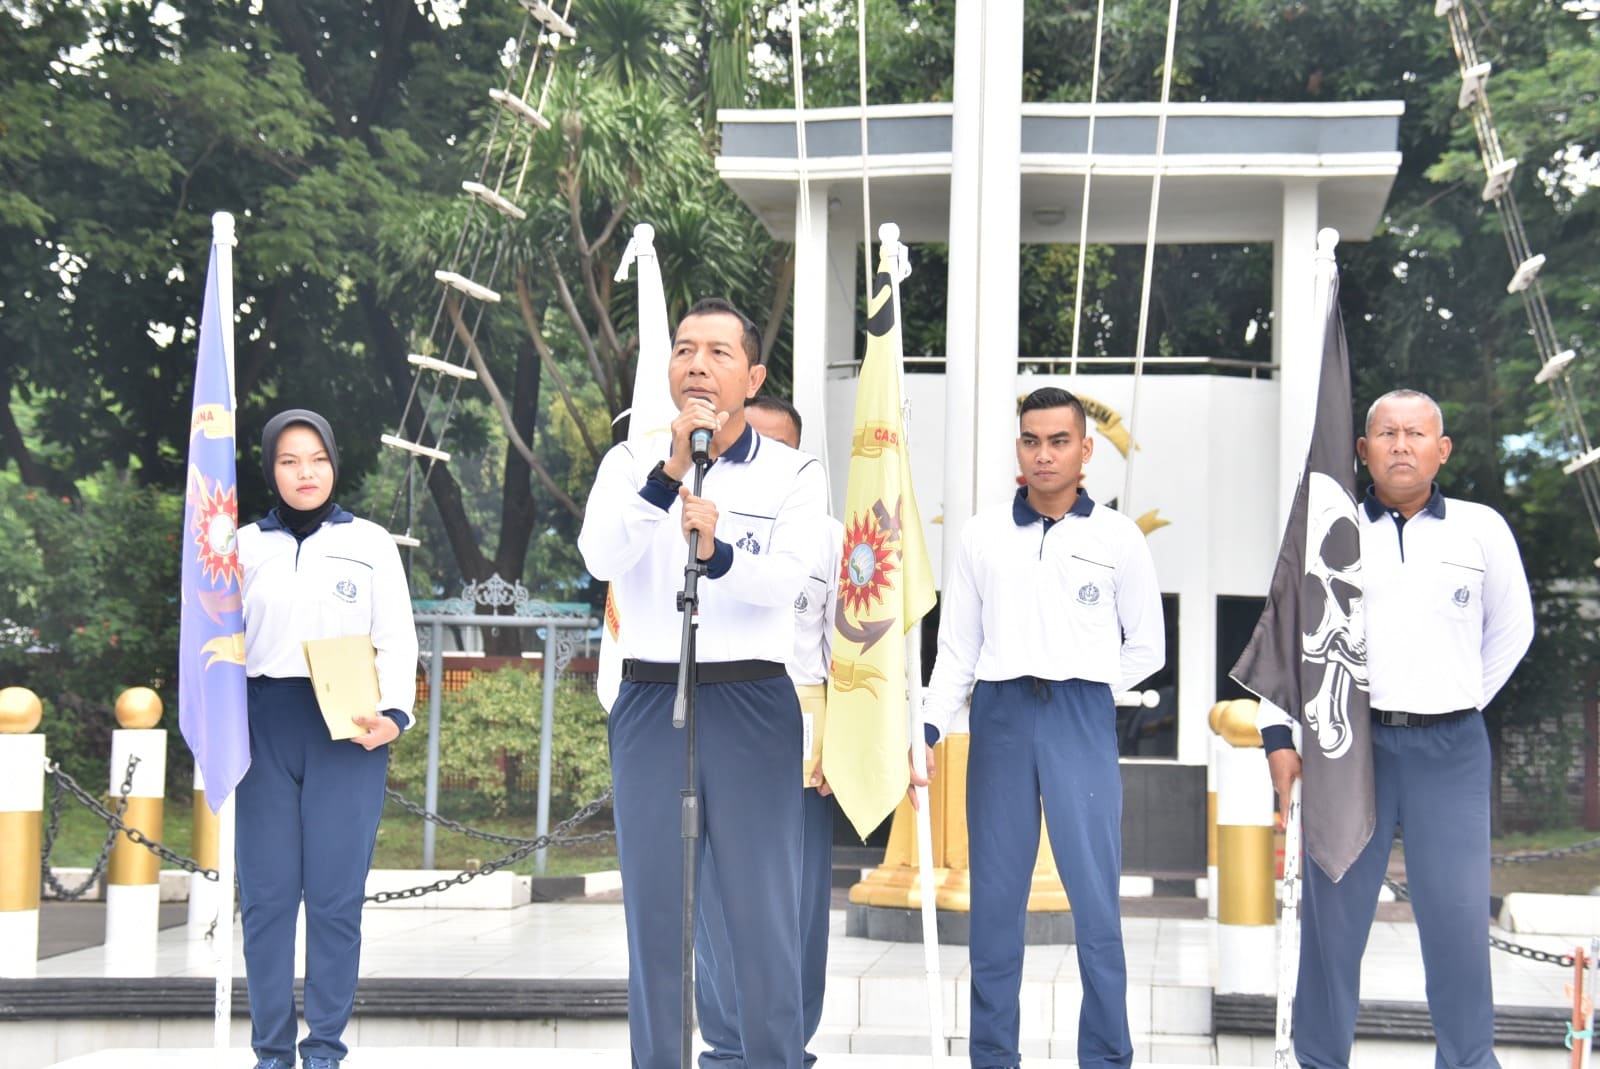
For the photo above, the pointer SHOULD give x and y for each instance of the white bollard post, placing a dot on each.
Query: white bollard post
(203, 893)
(133, 887)
(1246, 913)
(21, 803)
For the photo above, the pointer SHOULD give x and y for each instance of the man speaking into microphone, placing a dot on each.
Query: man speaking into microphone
(757, 521)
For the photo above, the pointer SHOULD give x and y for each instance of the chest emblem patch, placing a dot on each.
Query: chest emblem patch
(1088, 594)
(345, 591)
(748, 543)
(1461, 597)
(800, 602)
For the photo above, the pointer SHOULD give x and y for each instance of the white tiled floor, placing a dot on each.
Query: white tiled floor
(876, 1000)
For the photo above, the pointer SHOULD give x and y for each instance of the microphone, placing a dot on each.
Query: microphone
(700, 445)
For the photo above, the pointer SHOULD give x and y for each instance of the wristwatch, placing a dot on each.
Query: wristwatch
(658, 474)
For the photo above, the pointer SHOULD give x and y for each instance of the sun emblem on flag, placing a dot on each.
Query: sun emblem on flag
(216, 531)
(864, 573)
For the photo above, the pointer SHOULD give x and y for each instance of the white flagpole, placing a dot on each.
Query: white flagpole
(1289, 936)
(222, 237)
(899, 267)
(1289, 920)
(222, 935)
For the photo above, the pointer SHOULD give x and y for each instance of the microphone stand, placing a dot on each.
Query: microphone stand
(683, 717)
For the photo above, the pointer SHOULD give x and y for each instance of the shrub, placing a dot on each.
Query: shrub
(489, 736)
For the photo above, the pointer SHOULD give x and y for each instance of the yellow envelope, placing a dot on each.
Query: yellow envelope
(344, 674)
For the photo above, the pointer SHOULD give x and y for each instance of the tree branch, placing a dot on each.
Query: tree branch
(780, 304)
(496, 398)
(548, 359)
(581, 329)
(586, 253)
(291, 22)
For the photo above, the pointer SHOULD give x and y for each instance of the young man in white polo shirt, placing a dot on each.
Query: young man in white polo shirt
(758, 520)
(1052, 606)
(1448, 618)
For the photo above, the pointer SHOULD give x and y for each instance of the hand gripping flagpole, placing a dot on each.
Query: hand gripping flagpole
(894, 255)
(223, 239)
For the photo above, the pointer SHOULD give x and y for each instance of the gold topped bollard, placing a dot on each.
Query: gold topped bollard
(21, 806)
(1246, 911)
(133, 887)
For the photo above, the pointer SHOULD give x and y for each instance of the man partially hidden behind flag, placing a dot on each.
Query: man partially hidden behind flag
(1421, 601)
(211, 681)
(885, 587)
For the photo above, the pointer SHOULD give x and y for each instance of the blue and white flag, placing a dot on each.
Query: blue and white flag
(211, 679)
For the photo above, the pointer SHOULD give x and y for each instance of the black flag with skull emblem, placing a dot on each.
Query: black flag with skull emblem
(1308, 653)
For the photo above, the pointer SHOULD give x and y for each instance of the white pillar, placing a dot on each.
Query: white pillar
(133, 876)
(985, 231)
(811, 299)
(1296, 336)
(21, 802)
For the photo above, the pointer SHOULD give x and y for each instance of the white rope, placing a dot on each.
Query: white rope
(1088, 178)
(1149, 255)
(861, 83)
(797, 63)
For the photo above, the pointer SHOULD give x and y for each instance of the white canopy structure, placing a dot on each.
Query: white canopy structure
(1218, 446)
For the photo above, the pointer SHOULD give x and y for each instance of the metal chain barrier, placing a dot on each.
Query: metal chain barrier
(1403, 893)
(525, 848)
(114, 821)
(58, 890)
(558, 836)
(417, 810)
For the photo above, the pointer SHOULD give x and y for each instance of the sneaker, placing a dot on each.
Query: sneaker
(321, 1063)
(272, 1061)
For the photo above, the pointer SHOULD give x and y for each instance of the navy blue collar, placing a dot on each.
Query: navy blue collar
(1376, 508)
(270, 521)
(744, 448)
(1023, 513)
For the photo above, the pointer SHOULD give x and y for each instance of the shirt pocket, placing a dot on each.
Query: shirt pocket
(1090, 584)
(747, 532)
(342, 587)
(1457, 593)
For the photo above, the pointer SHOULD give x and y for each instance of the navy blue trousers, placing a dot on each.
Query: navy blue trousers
(1433, 783)
(1055, 741)
(716, 997)
(748, 751)
(308, 812)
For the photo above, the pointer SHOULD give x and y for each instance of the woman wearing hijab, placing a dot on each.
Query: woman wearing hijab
(308, 807)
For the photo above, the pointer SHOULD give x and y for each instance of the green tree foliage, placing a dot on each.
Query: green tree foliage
(88, 607)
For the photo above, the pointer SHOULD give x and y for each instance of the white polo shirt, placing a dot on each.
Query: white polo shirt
(813, 609)
(771, 501)
(1448, 611)
(345, 578)
(1446, 603)
(1074, 598)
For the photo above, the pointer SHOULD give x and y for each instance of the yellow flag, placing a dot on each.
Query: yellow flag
(885, 587)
